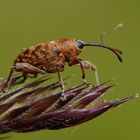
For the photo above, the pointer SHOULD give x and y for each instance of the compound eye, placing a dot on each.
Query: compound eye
(80, 44)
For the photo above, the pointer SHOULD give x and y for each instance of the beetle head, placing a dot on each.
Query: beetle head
(117, 52)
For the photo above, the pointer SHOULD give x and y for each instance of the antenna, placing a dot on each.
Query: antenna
(120, 25)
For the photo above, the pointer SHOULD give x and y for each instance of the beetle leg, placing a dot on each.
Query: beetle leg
(83, 72)
(78, 61)
(88, 65)
(28, 68)
(25, 68)
(32, 76)
(9, 79)
(63, 97)
(22, 80)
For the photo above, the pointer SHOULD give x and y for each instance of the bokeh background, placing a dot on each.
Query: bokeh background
(27, 22)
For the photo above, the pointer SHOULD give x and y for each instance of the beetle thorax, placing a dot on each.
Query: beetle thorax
(69, 48)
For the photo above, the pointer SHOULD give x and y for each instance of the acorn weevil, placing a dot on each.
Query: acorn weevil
(51, 56)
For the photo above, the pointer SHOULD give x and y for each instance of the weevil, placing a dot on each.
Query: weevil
(51, 56)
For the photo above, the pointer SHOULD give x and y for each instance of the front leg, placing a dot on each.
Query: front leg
(85, 65)
(88, 65)
(83, 71)
(78, 61)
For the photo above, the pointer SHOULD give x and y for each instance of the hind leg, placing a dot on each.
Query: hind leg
(9, 79)
(28, 69)
(25, 68)
(22, 79)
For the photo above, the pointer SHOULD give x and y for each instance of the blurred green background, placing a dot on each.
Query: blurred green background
(27, 22)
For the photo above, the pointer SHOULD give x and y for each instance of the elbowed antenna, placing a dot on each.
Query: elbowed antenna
(117, 52)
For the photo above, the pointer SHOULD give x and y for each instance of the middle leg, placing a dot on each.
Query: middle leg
(63, 97)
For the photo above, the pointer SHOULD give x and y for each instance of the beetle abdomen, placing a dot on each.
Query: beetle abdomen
(41, 55)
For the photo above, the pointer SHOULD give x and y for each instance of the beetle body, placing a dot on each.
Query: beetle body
(46, 55)
(50, 57)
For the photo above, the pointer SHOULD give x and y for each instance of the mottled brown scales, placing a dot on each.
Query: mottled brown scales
(43, 56)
